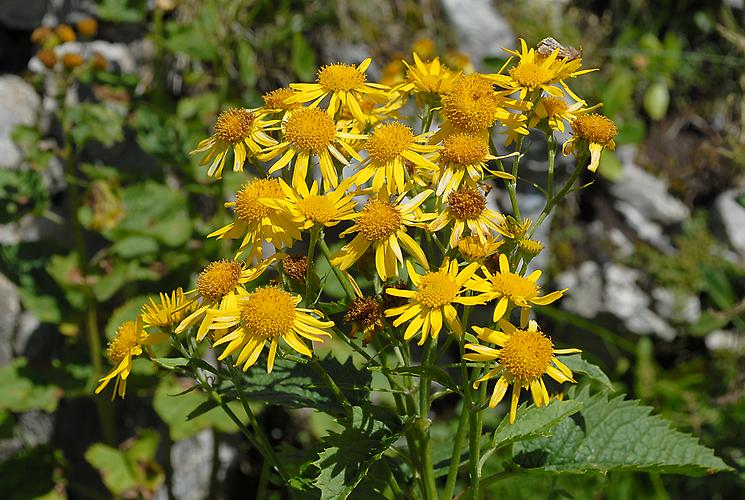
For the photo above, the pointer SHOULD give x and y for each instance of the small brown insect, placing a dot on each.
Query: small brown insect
(548, 45)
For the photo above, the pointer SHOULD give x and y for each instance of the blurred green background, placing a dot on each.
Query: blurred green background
(101, 206)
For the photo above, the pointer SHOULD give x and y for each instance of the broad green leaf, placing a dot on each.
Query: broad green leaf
(616, 434)
(348, 455)
(122, 11)
(95, 122)
(657, 100)
(170, 363)
(135, 246)
(296, 385)
(718, 286)
(155, 211)
(18, 392)
(247, 64)
(578, 364)
(113, 466)
(533, 421)
(303, 59)
(708, 322)
(610, 166)
(174, 406)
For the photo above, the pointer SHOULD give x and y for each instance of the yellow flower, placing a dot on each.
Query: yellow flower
(432, 301)
(472, 105)
(537, 72)
(274, 101)
(388, 148)
(243, 131)
(595, 132)
(217, 284)
(556, 111)
(308, 208)
(128, 342)
(169, 312)
(382, 225)
(267, 314)
(467, 209)
(463, 156)
(344, 83)
(257, 221)
(310, 132)
(475, 250)
(427, 77)
(524, 358)
(511, 288)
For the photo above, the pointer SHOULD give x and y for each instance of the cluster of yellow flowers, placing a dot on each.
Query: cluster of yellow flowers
(342, 151)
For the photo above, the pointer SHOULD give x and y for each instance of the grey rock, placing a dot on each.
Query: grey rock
(481, 30)
(677, 307)
(117, 54)
(613, 289)
(22, 14)
(645, 228)
(19, 105)
(731, 215)
(10, 310)
(646, 193)
(725, 340)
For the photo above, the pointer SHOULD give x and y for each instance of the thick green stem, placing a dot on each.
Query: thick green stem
(551, 159)
(460, 436)
(423, 425)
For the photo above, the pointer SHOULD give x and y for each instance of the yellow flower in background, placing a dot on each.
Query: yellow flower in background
(345, 83)
(462, 159)
(267, 315)
(595, 132)
(257, 221)
(431, 304)
(467, 210)
(217, 284)
(388, 148)
(240, 130)
(510, 288)
(308, 208)
(382, 224)
(127, 344)
(170, 311)
(429, 77)
(476, 250)
(274, 101)
(524, 358)
(425, 47)
(556, 111)
(309, 133)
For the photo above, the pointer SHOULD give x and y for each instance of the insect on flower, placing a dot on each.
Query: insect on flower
(548, 45)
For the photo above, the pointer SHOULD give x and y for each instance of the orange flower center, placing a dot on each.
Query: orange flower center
(126, 338)
(310, 129)
(336, 77)
(595, 128)
(378, 220)
(234, 125)
(436, 289)
(218, 278)
(526, 355)
(248, 208)
(267, 312)
(466, 203)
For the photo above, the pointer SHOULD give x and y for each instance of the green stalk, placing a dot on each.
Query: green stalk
(310, 272)
(460, 436)
(329, 381)
(423, 424)
(551, 158)
(348, 289)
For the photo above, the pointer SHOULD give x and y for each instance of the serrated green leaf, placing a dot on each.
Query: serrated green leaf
(95, 122)
(296, 385)
(578, 364)
(616, 434)
(533, 421)
(348, 455)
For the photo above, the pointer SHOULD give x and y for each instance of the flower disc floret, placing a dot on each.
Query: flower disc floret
(276, 99)
(335, 77)
(388, 141)
(530, 75)
(526, 355)
(218, 278)
(378, 220)
(318, 208)
(234, 125)
(595, 128)
(466, 203)
(436, 289)
(464, 149)
(127, 337)
(248, 208)
(267, 312)
(472, 104)
(310, 129)
(554, 106)
(514, 287)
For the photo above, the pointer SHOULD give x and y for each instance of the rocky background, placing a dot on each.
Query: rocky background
(653, 251)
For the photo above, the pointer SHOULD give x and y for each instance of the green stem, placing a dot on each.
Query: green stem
(460, 435)
(329, 381)
(551, 202)
(474, 445)
(423, 424)
(348, 289)
(551, 159)
(310, 272)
